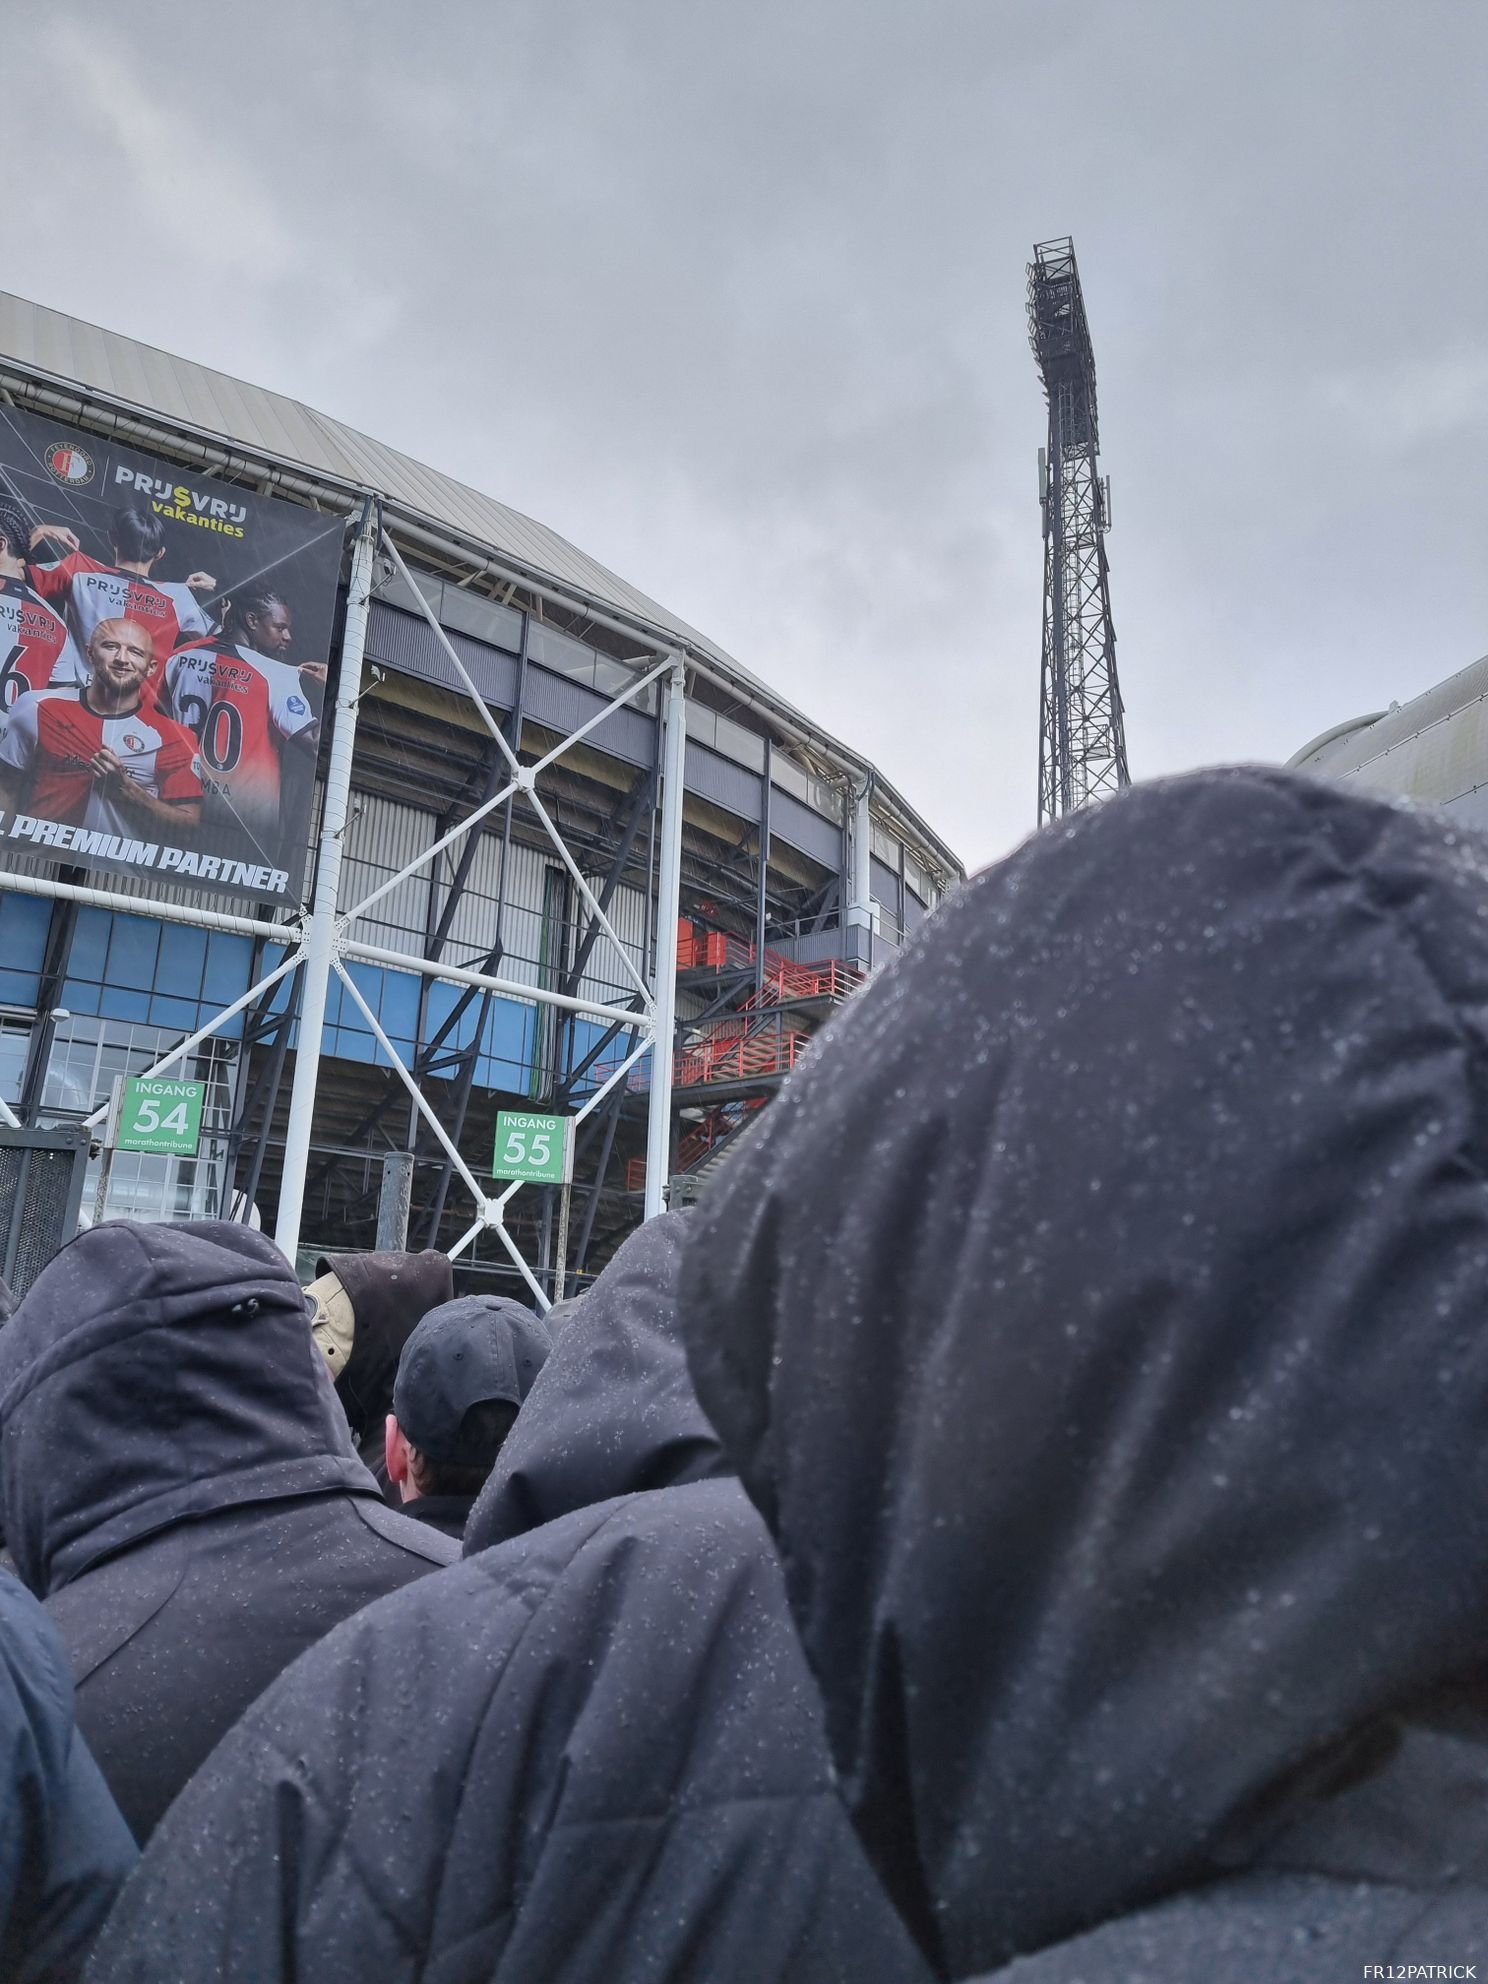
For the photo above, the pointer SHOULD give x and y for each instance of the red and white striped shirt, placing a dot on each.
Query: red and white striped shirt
(52, 739)
(240, 705)
(87, 592)
(33, 644)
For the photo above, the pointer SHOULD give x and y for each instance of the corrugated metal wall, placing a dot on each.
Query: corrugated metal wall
(384, 836)
(606, 978)
(473, 929)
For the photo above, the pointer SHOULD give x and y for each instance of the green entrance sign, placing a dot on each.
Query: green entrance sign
(536, 1149)
(159, 1113)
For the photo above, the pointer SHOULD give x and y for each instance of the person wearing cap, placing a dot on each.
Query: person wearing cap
(531, 1335)
(593, 1753)
(179, 1488)
(461, 1380)
(366, 1308)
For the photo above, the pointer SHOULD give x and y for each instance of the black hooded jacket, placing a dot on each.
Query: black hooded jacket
(389, 1293)
(179, 1486)
(64, 1850)
(612, 1411)
(1098, 1322)
(592, 1754)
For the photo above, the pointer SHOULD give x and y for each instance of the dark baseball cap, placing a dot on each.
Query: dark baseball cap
(532, 1340)
(460, 1355)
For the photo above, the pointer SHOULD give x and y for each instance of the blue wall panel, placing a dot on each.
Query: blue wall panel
(23, 935)
(168, 974)
(134, 968)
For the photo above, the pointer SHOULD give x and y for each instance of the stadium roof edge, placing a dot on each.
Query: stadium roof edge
(174, 397)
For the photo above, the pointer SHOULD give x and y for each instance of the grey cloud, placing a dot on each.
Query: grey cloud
(733, 296)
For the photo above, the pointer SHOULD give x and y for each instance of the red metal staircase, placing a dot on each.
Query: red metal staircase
(763, 1037)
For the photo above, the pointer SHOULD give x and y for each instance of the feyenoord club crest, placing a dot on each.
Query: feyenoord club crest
(133, 743)
(67, 462)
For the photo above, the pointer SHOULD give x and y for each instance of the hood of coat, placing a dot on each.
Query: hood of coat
(1097, 1320)
(612, 1411)
(389, 1294)
(156, 1373)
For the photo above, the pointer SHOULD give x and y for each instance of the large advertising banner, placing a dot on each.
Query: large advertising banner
(164, 641)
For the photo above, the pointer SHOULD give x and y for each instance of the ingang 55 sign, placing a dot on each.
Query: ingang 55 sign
(538, 1150)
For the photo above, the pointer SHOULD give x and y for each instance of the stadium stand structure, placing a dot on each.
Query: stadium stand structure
(802, 867)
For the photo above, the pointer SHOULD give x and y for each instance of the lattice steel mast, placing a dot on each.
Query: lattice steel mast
(1082, 739)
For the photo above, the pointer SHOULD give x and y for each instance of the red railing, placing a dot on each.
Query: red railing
(724, 1056)
(719, 950)
(715, 949)
(748, 1044)
(701, 1140)
(785, 979)
(738, 1057)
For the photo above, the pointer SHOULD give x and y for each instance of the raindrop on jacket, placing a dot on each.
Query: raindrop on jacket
(1098, 1322)
(180, 1487)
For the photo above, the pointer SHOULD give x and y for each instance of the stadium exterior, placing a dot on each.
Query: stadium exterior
(1433, 749)
(507, 938)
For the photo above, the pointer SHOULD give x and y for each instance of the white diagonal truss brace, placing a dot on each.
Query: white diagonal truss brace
(323, 939)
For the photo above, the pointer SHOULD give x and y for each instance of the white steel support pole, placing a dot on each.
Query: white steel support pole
(321, 924)
(860, 903)
(668, 907)
(860, 911)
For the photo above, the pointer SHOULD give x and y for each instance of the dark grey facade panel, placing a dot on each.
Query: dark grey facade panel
(407, 643)
(884, 883)
(719, 779)
(813, 946)
(802, 828)
(559, 704)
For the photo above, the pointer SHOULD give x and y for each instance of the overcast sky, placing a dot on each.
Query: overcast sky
(732, 295)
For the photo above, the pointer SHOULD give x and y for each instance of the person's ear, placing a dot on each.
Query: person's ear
(395, 1452)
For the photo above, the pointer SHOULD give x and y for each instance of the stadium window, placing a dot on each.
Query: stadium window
(884, 845)
(826, 799)
(917, 878)
(394, 592)
(813, 792)
(742, 745)
(790, 778)
(483, 619)
(86, 1054)
(457, 609)
(702, 725)
(15, 1044)
(612, 678)
(561, 653)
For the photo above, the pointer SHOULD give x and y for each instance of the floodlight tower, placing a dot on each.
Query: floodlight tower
(1082, 739)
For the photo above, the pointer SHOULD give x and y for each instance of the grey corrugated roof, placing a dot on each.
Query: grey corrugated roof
(183, 393)
(268, 423)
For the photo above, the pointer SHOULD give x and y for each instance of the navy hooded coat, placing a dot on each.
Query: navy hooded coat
(180, 1487)
(592, 1754)
(1098, 1322)
(612, 1410)
(64, 1850)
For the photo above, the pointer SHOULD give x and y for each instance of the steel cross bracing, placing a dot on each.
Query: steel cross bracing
(321, 941)
(1082, 736)
(333, 943)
